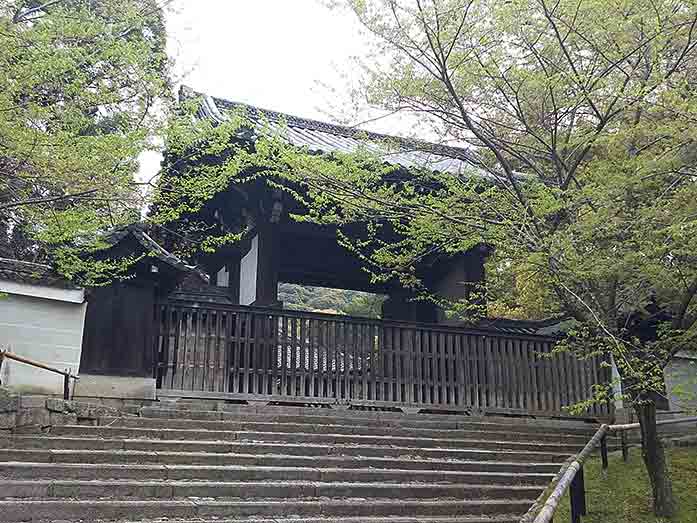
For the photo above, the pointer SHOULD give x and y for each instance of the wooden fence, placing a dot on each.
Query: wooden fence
(243, 352)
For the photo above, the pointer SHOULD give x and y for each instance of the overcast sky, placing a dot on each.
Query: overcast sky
(293, 56)
(270, 53)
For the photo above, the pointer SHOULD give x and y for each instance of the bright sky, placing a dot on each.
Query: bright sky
(269, 53)
(293, 56)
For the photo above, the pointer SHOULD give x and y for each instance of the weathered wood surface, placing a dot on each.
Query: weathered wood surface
(246, 352)
(119, 330)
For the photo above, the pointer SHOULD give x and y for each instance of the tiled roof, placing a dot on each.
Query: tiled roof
(326, 137)
(32, 274)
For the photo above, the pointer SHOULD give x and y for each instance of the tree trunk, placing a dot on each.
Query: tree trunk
(655, 461)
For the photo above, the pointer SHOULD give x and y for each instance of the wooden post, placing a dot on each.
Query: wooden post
(2, 358)
(66, 385)
(578, 497)
(547, 511)
(582, 491)
(603, 452)
(625, 447)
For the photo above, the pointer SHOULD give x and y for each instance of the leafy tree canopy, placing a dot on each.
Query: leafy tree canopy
(80, 84)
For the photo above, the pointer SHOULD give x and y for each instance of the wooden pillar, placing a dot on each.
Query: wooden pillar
(400, 306)
(462, 277)
(233, 269)
(268, 263)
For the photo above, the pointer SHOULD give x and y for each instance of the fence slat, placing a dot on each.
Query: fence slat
(169, 348)
(471, 362)
(311, 357)
(265, 364)
(460, 381)
(515, 373)
(578, 379)
(426, 361)
(419, 364)
(189, 347)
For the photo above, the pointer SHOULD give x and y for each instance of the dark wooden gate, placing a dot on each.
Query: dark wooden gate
(238, 352)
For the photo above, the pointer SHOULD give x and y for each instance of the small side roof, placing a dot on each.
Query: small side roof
(139, 232)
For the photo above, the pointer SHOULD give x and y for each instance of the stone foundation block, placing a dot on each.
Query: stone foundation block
(33, 418)
(33, 402)
(8, 420)
(120, 387)
(8, 402)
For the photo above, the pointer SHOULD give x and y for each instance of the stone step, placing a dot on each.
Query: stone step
(493, 442)
(81, 471)
(120, 457)
(500, 443)
(377, 419)
(393, 519)
(260, 407)
(294, 449)
(170, 490)
(467, 431)
(93, 510)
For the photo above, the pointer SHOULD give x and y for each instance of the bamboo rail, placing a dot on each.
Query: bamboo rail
(67, 376)
(575, 469)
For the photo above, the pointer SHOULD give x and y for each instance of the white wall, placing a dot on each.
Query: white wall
(248, 274)
(681, 381)
(223, 277)
(43, 329)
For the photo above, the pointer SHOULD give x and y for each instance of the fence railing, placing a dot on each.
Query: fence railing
(244, 352)
(571, 477)
(67, 376)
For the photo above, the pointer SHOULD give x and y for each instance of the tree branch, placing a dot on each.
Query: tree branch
(35, 201)
(20, 16)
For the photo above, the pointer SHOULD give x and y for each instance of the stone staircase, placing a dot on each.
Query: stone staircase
(194, 461)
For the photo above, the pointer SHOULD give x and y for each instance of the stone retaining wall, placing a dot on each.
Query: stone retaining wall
(28, 413)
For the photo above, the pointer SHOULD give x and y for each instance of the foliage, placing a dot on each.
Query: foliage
(203, 160)
(319, 299)
(81, 83)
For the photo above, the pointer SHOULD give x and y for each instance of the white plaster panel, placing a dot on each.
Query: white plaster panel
(616, 385)
(223, 277)
(681, 382)
(248, 274)
(46, 330)
(93, 386)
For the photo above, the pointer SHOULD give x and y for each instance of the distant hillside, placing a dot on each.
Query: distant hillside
(332, 301)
